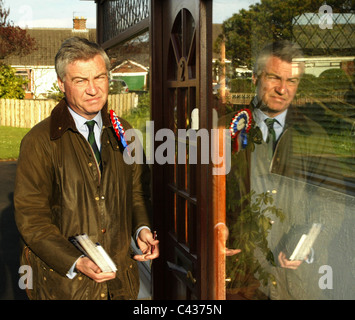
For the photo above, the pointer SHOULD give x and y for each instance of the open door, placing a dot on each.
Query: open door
(180, 85)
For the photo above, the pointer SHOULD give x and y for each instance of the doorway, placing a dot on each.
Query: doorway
(180, 86)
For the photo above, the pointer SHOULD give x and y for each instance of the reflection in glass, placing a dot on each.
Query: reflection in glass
(130, 78)
(274, 194)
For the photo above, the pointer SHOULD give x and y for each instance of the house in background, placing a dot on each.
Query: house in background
(133, 73)
(38, 67)
(326, 50)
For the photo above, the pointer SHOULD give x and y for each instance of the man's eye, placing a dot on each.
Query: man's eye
(271, 77)
(79, 81)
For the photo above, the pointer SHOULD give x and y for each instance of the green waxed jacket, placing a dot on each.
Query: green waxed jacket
(59, 192)
(295, 180)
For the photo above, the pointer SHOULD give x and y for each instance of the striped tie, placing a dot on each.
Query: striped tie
(92, 141)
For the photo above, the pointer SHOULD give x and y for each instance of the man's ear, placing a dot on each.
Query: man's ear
(61, 85)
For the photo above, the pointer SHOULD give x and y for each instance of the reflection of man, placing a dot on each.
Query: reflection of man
(277, 80)
(287, 164)
(276, 76)
(64, 188)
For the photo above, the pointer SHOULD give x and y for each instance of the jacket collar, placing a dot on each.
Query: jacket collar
(62, 120)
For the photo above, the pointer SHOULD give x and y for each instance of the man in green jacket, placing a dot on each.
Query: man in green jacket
(275, 190)
(63, 190)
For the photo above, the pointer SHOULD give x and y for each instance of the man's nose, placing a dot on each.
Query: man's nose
(281, 87)
(91, 89)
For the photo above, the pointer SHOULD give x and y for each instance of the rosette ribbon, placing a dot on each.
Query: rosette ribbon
(119, 130)
(240, 126)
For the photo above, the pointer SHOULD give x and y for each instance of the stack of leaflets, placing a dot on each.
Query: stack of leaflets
(305, 243)
(94, 251)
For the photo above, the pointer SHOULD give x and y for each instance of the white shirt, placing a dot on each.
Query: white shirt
(279, 125)
(83, 128)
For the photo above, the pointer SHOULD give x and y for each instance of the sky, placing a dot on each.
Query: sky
(50, 13)
(224, 9)
(60, 13)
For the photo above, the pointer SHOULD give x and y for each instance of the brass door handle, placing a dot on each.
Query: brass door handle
(191, 277)
(180, 269)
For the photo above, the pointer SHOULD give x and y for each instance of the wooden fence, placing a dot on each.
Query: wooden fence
(245, 98)
(27, 113)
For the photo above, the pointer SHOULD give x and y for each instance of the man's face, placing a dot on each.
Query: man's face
(277, 85)
(86, 86)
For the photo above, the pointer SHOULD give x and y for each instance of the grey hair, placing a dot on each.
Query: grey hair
(284, 49)
(77, 48)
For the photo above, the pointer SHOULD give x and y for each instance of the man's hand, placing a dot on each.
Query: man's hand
(222, 237)
(285, 263)
(90, 269)
(148, 246)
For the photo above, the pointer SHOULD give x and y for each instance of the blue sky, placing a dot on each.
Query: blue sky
(60, 13)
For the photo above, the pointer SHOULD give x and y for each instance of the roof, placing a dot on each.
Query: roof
(48, 43)
(129, 66)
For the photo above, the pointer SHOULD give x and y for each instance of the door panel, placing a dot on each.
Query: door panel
(178, 213)
(181, 83)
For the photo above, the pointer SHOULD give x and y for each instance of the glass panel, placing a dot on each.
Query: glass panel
(129, 83)
(172, 218)
(283, 213)
(130, 98)
(192, 149)
(121, 15)
(173, 123)
(192, 228)
(181, 213)
(182, 163)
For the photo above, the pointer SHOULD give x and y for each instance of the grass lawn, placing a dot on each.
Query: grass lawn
(10, 139)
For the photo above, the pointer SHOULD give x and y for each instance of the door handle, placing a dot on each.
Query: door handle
(188, 274)
(191, 277)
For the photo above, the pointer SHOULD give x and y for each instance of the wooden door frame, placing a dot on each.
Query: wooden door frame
(204, 192)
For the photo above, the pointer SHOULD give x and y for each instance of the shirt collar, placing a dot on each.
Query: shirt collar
(261, 116)
(80, 121)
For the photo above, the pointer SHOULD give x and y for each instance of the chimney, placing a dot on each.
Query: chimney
(79, 24)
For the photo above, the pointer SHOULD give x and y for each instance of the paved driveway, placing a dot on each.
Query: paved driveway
(9, 236)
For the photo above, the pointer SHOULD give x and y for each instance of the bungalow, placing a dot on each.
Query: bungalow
(38, 67)
(133, 73)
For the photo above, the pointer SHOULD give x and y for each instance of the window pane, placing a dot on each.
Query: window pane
(288, 199)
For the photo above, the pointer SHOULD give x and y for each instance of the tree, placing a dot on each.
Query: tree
(11, 86)
(55, 93)
(247, 31)
(13, 40)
